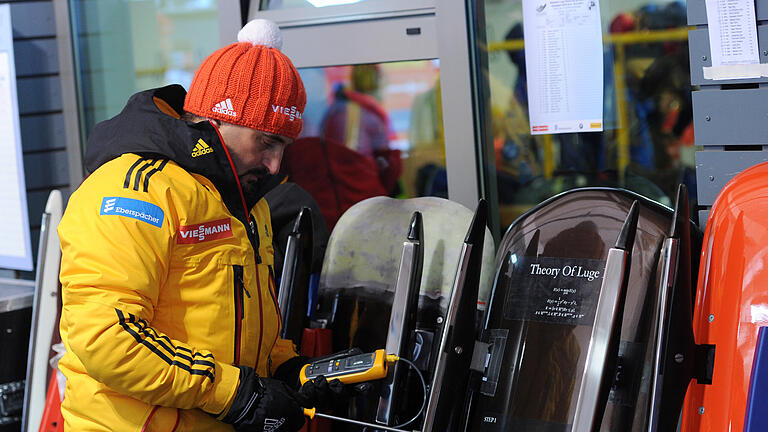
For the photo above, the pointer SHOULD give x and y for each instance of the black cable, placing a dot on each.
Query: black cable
(423, 386)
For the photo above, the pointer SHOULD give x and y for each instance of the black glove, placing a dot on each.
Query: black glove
(321, 394)
(289, 371)
(264, 404)
(317, 393)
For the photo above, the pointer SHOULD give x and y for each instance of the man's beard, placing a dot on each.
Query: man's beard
(254, 189)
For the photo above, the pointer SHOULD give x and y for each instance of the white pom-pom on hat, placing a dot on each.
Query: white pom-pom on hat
(261, 32)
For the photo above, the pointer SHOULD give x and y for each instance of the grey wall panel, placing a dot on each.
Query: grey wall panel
(716, 168)
(42, 132)
(700, 56)
(43, 170)
(724, 117)
(697, 11)
(698, 53)
(703, 216)
(36, 56)
(730, 117)
(36, 201)
(34, 236)
(36, 206)
(40, 94)
(33, 19)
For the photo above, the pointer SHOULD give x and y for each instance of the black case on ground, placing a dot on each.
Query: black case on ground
(15, 322)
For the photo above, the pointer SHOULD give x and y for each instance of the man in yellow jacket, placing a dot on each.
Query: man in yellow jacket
(169, 314)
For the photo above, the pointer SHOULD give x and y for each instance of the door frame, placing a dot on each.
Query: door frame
(377, 31)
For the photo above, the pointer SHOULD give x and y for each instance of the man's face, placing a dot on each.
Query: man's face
(255, 154)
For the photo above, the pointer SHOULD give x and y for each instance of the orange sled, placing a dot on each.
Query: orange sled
(731, 307)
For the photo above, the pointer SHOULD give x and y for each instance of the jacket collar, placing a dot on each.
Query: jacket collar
(147, 126)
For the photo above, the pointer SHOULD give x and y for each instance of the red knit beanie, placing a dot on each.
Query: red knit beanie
(250, 83)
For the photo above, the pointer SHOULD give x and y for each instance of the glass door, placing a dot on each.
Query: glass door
(124, 47)
(647, 143)
(376, 73)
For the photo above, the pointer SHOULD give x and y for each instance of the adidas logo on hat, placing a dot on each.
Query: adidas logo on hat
(201, 148)
(225, 107)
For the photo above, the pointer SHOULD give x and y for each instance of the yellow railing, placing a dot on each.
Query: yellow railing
(628, 38)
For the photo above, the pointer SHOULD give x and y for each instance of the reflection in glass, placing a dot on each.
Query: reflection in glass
(369, 130)
(544, 319)
(125, 47)
(291, 4)
(647, 145)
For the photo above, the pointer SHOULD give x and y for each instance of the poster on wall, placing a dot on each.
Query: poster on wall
(15, 245)
(564, 65)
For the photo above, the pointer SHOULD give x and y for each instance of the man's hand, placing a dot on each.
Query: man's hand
(318, 393)
(324, 395)
(264, 404)
(321, 394)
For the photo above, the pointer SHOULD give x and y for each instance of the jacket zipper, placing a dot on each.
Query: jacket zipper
(261, 319)
(251, 229)
(239, 287)
(272, 288)
(249, 225)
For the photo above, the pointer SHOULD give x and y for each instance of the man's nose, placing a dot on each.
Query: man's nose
(272, 163)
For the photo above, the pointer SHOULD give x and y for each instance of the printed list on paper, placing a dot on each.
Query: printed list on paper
(732, 32)
(564, 65)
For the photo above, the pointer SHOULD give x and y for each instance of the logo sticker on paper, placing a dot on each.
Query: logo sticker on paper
(206, 231)
(133, 208)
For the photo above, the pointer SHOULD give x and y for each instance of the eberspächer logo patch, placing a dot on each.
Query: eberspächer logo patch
(132, 208)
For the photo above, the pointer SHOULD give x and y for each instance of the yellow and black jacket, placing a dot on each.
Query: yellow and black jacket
(167, 282)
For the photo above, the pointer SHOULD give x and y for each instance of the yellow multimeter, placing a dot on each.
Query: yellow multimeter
(358, 368)
(349, 370)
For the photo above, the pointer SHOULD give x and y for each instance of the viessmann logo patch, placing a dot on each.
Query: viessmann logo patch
(206, 231)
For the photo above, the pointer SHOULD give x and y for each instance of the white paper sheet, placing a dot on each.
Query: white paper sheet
(15, 248)
(733, 33)
(564, 65)
(11, 240)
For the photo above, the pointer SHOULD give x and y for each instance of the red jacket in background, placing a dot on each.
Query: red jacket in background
(336, 176)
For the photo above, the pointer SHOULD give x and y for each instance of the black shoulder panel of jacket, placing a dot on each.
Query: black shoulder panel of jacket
(142, 128)
(285, 201)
